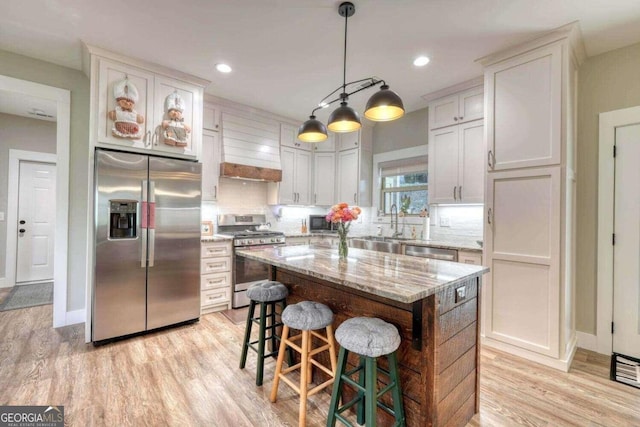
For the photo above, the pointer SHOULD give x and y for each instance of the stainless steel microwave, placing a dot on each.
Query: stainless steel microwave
(318, 224)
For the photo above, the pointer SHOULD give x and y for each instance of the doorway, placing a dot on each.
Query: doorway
(626, 249)
(62, 99)
(36, 222)
(615, 172)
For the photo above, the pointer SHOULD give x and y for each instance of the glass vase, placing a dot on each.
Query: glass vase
(343, 247)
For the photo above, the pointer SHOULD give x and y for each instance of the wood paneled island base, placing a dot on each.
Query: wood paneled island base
(439, 353)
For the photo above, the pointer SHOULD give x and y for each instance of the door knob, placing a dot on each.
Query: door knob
(22, 222)
(22, 230)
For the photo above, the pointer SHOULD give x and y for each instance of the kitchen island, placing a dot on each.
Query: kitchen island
(434, 305)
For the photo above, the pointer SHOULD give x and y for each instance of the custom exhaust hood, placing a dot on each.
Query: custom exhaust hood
(250, 147)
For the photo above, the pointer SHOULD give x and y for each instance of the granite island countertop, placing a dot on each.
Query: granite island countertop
(400, 278)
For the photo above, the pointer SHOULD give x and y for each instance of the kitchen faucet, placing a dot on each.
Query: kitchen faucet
(395, 233)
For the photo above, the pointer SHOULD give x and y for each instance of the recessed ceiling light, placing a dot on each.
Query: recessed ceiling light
(223, 68)
(421, 61)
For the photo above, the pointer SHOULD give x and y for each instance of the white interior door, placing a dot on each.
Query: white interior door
(36, 222)
(626, 251)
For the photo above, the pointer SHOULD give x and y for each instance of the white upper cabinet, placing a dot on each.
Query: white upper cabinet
(295, 187)
(164, 124)
(289, 138)
(210, 158)
(349, 140)
(211, 117)
(525, 122)
(327, 146)
(456, 166)
(348, 163)
(355, 167)
(110, 74)
(139, 109)
(324, 180)
(455, 109)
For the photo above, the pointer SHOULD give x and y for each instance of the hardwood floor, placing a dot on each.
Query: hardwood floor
(189, 376)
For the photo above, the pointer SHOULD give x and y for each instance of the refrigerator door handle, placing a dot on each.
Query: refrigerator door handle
(152, 223)
(144, 213)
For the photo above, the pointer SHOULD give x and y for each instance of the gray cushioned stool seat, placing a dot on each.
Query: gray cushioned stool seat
(307, 316)
(368, 336)
(267, 291)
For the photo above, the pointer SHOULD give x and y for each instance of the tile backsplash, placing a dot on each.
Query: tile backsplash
(242, 196)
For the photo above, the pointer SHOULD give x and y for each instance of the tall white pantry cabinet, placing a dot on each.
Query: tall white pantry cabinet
(529, 294)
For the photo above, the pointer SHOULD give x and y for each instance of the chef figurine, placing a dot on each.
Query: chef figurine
(126, 121)
(175, 132)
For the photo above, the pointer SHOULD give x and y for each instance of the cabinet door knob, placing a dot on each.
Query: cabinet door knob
(23, 222)
(22, 230)
(461, 117)
(454, 192)
(455, 119)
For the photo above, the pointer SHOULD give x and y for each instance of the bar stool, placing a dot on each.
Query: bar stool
(369, 337)
(307, 317)
(267, 295)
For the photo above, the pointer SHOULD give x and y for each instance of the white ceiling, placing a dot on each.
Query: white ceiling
(287, 54)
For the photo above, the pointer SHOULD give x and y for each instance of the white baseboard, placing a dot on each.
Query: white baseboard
(560, 364)
(587, 341)
(4, 283)
(75, 317)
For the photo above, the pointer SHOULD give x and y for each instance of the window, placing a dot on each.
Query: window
(405, 184)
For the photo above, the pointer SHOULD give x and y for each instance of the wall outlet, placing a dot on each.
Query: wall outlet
(444, 221)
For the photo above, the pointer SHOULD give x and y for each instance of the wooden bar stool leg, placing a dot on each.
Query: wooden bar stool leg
(398, 407)
(263, 321)
(371, 385)
(281, 351)
(247, 334)
(362, 383)
(304, 372)
(310, 365)
(332, 349)
(337, 387)
(290, 358)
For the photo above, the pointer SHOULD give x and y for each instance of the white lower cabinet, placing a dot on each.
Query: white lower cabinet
(298, 240)
(215, 276)
(470, 257)
(522, 290)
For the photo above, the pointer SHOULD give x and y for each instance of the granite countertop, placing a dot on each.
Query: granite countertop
(399, 278)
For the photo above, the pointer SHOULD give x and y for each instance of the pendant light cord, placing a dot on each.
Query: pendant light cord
(344, 62)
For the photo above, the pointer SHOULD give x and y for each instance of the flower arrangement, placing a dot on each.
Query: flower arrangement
(342, 215)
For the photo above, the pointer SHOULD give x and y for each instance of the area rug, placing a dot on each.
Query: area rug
(22, 296)
(625, 370)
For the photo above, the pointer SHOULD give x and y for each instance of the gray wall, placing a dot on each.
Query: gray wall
(409, 131)
(19, 133)
(22, 67)
(606, 82)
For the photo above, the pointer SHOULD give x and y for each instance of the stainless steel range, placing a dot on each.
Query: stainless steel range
(248, 232)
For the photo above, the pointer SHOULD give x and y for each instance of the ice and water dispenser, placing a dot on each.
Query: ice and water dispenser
(122, 219)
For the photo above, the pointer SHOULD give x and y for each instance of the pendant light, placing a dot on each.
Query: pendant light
(384, 105)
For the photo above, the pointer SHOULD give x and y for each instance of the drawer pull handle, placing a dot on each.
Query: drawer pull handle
(461, 294)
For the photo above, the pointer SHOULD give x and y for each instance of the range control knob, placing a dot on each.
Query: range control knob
(249, 242)
(262, 240)
(273, 240)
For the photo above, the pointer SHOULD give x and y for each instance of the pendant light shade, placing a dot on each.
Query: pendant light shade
(344, 119)
(312, 131)
(384, 105)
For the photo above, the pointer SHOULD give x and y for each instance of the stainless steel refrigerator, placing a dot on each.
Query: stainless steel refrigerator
(147, 243)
